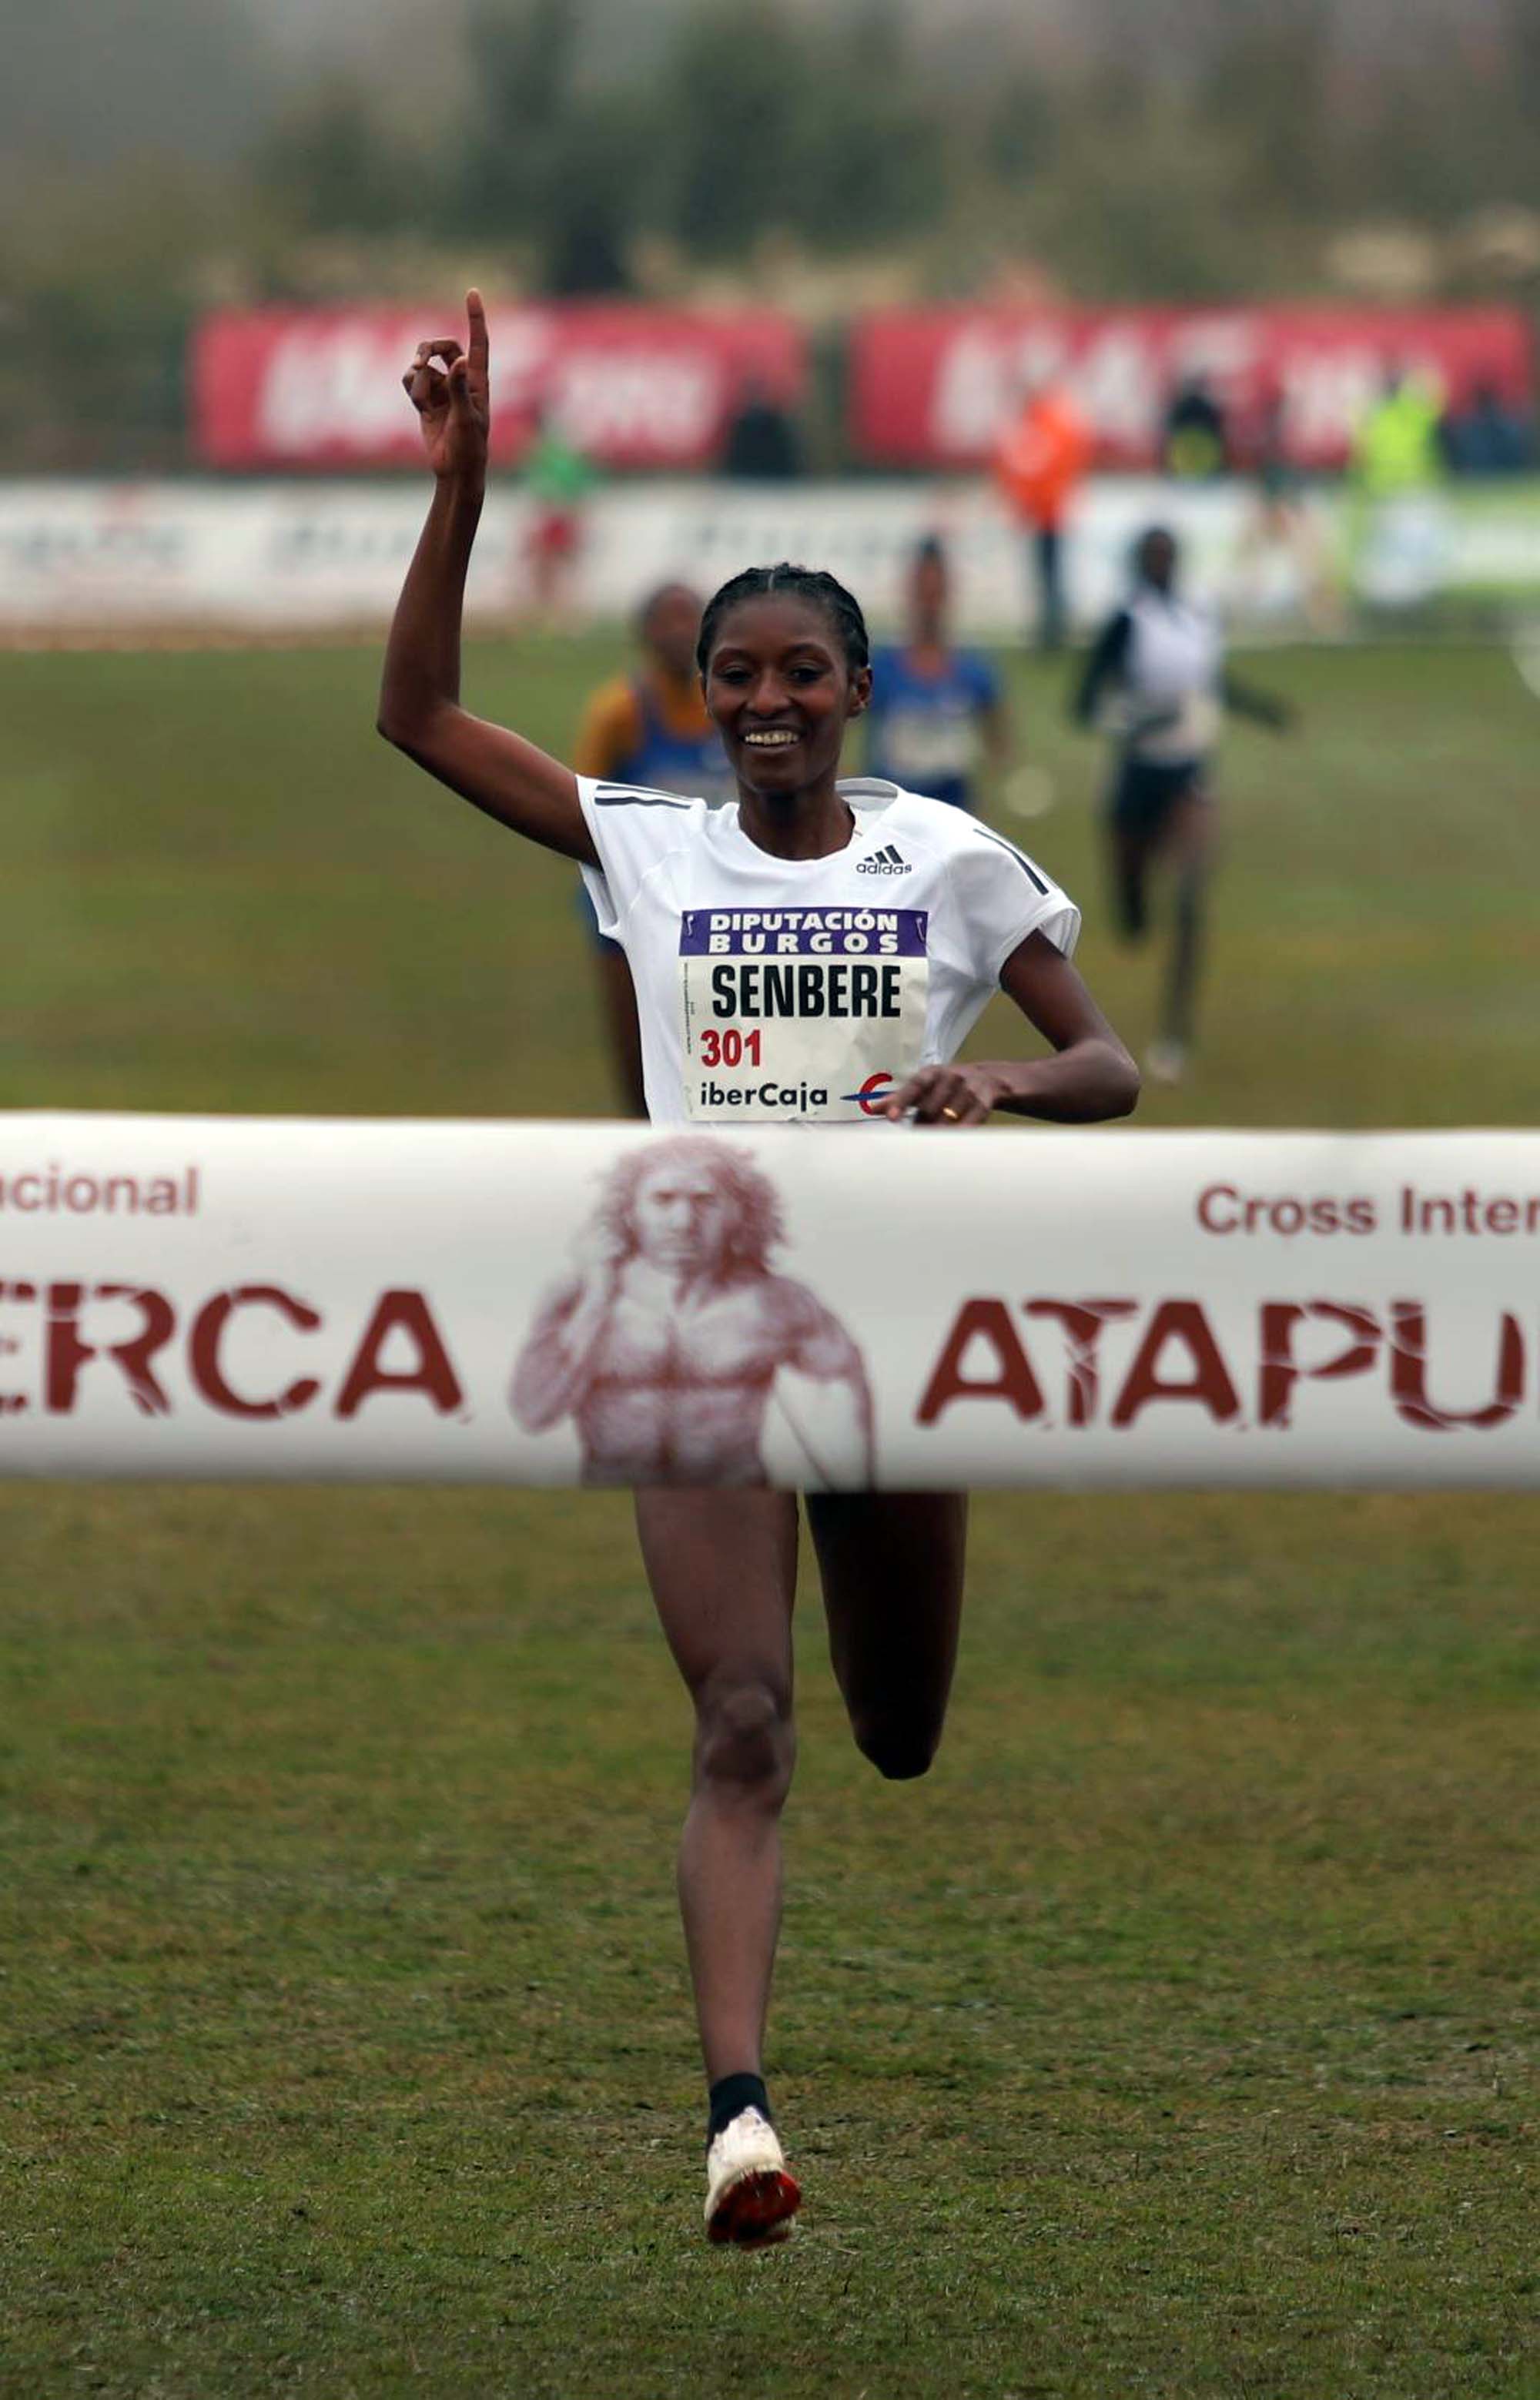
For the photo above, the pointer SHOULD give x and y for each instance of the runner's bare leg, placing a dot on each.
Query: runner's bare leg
(1188, 845)
(1130, 849)
(891, 1564)
(723, 1570)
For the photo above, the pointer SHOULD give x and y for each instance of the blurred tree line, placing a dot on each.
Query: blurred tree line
(157, 160)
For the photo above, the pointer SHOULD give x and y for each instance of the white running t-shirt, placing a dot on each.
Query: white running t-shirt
(1172, 671)
(800, 992)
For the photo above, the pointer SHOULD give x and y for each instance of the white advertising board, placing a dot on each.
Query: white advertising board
(549, 1303)
(300, 557)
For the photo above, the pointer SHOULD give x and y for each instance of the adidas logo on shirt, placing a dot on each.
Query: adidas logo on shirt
(885, 861)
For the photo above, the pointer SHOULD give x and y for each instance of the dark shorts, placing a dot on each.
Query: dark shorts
(1144, 795)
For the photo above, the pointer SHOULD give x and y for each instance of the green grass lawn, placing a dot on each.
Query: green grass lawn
(227, 893)
(1176, 2037)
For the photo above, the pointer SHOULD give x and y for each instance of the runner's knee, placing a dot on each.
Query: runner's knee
(744, 1739)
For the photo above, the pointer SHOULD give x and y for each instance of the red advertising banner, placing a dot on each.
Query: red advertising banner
(932, 387)
(632, 386)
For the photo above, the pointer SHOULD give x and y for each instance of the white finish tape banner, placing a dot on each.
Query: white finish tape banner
(289, 557)
(555, 1303)
(273, 559)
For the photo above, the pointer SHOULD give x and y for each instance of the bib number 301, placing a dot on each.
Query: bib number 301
(730, 1048)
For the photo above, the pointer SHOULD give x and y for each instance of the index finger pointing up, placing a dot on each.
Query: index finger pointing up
(476, 348)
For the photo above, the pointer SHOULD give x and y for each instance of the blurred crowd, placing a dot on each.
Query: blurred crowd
(1406, 435)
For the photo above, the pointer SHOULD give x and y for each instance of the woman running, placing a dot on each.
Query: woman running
(783, 661)
(1157, 669)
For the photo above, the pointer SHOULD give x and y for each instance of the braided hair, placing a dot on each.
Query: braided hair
(810, 583)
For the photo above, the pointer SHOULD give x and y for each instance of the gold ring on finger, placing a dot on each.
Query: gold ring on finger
(952, 1117)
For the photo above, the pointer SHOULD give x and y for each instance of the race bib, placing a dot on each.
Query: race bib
(926, 746)
(801, 1014)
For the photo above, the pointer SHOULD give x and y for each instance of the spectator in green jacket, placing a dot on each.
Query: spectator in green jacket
(1395, 445)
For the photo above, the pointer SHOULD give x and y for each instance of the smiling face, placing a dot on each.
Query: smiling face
(681, 1216)
(780, 693)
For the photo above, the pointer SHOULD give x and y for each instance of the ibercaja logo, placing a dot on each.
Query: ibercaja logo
(874, 1094)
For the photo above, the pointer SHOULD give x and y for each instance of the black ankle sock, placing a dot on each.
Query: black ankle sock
(730, 2097)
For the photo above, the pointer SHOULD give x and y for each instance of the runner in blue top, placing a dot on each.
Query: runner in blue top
(936, 714)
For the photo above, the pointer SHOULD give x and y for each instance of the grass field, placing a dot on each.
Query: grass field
(1176, 2037)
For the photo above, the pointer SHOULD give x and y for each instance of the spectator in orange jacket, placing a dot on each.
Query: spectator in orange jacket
(1038, 464)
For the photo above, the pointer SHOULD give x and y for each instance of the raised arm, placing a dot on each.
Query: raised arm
(419, 712)
(553, 1369)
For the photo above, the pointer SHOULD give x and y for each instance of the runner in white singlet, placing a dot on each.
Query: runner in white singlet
(777, 990)
(1160, 661)
(812, 954)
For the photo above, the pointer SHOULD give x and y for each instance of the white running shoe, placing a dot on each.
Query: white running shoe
(1167, 1061)
(751, 2199)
